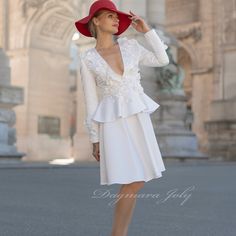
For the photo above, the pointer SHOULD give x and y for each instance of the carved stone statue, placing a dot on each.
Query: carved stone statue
(173, 120)
(171, 77)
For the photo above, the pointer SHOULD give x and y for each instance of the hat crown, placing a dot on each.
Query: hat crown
(99, 4)
(82, 24)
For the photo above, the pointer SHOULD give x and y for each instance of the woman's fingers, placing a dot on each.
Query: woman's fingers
(138, 22)
(96, 152)
(97, 156)
(131, 13)
(135, 18)
(134, 24)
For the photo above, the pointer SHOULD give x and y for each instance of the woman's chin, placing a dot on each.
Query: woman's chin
(115, 30)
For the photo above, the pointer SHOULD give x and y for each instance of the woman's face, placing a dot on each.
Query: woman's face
(107, 21)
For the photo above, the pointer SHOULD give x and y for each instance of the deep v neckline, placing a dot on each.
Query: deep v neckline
(108, 65)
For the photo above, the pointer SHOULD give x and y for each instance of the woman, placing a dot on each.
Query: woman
(119, 124)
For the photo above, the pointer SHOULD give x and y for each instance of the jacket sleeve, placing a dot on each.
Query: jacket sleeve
(91, 100)
(158, 56)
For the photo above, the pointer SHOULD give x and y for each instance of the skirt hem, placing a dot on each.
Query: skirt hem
(134, 180)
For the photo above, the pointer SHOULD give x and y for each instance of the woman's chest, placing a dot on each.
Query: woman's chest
(112, 58)
(106, 67)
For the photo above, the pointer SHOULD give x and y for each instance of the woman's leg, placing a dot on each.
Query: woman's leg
(124, 208)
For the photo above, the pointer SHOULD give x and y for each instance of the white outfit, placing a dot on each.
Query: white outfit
(120, 120)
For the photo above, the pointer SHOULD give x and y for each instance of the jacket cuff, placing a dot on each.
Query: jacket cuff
(94, 138)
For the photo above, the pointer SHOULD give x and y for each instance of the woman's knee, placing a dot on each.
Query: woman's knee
(135, 186)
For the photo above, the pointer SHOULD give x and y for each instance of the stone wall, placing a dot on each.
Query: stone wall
(192, 23)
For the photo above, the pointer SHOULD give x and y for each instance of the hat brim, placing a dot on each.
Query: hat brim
(124, 23)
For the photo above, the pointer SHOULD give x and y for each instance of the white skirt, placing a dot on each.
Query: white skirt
(129, 150)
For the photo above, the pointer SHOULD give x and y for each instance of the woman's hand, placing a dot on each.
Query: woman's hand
(96, 152)
(139, 24)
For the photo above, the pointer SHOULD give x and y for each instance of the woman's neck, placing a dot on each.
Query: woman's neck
(105, 42)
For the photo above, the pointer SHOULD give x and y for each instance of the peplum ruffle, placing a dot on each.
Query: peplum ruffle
(112, 107)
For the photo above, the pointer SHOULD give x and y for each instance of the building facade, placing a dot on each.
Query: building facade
(37, 37)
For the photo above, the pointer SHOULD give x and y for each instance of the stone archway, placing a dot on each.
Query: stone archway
(40, 64)
(196, 72)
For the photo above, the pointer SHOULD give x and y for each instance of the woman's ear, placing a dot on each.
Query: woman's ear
(95, 20)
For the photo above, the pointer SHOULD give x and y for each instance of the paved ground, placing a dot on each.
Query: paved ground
(197, 198)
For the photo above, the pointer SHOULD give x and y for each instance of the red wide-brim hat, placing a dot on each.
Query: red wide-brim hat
(124, 20)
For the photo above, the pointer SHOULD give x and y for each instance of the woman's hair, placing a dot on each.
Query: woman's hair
(92, 26)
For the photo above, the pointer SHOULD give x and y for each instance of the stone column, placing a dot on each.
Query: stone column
(3, 24)
(10, 96)
(221, 125)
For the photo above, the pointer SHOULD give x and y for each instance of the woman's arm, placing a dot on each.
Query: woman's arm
(91, 101)
(158, 56)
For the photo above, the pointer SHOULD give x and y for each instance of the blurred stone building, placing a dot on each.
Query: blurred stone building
(42, 44)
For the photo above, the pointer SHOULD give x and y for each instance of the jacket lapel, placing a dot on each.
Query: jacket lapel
(107, 67)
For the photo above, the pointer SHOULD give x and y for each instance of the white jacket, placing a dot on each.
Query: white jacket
(122, 95)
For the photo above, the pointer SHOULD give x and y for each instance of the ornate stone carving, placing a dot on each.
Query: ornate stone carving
(8, 116)
(188, 31)
(229, 22)
(26, 4)
(55, 27)
(36, 4)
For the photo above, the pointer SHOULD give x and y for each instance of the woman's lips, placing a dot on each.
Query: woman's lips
(116, 25)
